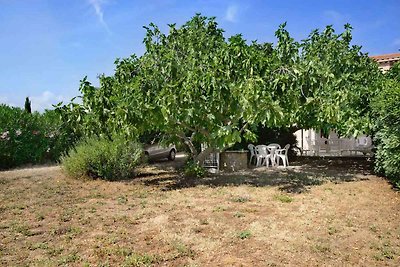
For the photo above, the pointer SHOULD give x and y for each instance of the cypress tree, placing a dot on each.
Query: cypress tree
(28, 105)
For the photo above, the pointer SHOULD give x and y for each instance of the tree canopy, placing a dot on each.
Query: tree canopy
(195, 85)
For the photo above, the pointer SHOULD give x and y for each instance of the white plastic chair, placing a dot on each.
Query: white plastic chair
(262, 155)
(253, 154)
(272, 150)
(277, 146)
(282, 154)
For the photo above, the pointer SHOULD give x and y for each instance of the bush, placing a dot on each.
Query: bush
(386, 108)
(102, 158)
(31, 138)
(193, 170)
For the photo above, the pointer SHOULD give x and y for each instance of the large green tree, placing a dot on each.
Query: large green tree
(195, 85)
(201, 87)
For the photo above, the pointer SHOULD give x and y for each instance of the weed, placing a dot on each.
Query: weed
(204, 222)
(104, 264)
(72, 232)
(323, 248)
(73, 257)
(241, 199)
(332, 230)
(54, 251)
(251, 210)
(39, 217)
(349, 223)
(143, 194)
(39, 245)
(44, 262)
(143, 203)
(373, 228)
(219, 209)
(192, 169)
(135, 259)
(92, 210)
(284, 198)
(385, 252)
(97, 195)
(196, 230)
(183, 250)
(22, 229)
(244, 234)
(238, 215)
(66, 216)
(122, 200)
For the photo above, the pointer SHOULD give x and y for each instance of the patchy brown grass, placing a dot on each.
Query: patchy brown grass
(315, 213)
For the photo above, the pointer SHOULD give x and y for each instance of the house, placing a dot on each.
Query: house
(313, 143)
(386, 61)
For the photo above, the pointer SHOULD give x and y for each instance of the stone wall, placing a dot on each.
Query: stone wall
(233, 160)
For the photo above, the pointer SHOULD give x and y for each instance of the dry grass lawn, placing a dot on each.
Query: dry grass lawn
(317, 213)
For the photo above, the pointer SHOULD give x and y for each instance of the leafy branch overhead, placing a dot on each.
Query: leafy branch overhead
(195, 85)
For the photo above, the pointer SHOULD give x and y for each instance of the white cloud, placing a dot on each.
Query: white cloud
(98, 8)
(45, 101)
(231, 13)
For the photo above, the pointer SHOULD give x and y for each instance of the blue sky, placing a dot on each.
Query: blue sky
(47, 46)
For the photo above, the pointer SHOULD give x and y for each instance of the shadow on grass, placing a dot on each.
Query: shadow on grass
(301, 175)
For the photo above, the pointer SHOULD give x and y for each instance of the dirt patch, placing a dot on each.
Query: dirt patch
(340, 214)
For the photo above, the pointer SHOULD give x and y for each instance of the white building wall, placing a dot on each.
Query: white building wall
(314, 144)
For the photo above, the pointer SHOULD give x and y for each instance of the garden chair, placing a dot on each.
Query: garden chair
(262, 155)
(282, 154)
(277, 146)
(272, 148)
(253, 154)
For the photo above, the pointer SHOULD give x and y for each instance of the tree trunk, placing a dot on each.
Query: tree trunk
(189, 143)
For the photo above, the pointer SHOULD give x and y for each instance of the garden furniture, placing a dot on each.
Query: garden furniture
(282, 154)
(262, 155)
(253, 155)
(272, 149)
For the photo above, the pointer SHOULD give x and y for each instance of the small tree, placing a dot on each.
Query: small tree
(28, 105)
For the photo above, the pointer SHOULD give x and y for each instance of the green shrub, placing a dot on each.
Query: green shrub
(194, 170)
(31, 138)
(244, 234)
(102, 158)
(386, 108)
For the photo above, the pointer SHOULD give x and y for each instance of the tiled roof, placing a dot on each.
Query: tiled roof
(387, 57)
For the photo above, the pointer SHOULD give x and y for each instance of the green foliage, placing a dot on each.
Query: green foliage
(192, 169)
(196, 86)
(336, 82)
(31, 138)
(394, 72)
(103, 158)
(284, 198)
(140, 260)
(244, 234)
(386, 107)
